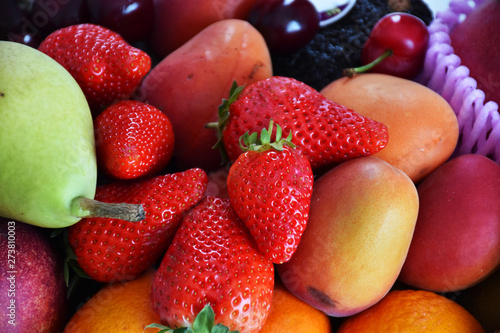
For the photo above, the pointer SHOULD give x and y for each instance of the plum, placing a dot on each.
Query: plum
(457, 236)
(32, 287)
(476, 42)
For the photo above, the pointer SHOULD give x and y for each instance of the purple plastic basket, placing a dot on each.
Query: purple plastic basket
(479, 120)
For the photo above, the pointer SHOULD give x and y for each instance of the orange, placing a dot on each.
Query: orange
(290, 314)
(119, 307)
(412, 311)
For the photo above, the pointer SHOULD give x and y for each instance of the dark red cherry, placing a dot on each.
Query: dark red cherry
(29, 22)
(10, 19)
(52, 15)
(132, 19)
(397, 46)
(286, 25)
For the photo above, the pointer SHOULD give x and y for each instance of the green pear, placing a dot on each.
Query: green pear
(48, 169)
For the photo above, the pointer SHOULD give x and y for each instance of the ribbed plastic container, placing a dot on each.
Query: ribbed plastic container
(479, 120)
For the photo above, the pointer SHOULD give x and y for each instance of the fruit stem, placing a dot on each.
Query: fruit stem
(349, 72)
(84, 207)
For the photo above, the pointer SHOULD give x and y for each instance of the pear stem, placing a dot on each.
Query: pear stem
(85, 207)
(349, 72)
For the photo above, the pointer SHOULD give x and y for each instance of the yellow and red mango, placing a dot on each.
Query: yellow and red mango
(361, 221)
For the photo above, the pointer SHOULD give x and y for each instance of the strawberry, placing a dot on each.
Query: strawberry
(270, 187)
(214, 261)
(204, 322)
(327, 132)
(105, 66)
(111, 249)
(133, 139)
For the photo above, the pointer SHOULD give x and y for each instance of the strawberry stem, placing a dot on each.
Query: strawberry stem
(84, 207)
(349, 72)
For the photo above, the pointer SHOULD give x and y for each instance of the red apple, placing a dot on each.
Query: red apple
(32, 287)
(457, 237)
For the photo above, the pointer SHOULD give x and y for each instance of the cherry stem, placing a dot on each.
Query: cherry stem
(84, 207)
(349, 72)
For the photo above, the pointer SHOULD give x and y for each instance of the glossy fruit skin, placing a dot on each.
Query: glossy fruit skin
(12, 27)
(190, 83)
(286, 25)
(473, 40)
(407, 36)
(271, 192)
(46, 139)
(133, 139)
(124, 304)
(105, 66)
(423, 128)
(29, 22)
(132, 19)
(413, 311)
(58, 14)
(10, 17)
(32, 278)
(111, 250)
(291, 314)
(456, 243)
(327, 132)
(359, 210)
(214, 260)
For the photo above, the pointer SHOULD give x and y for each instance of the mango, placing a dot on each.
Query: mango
(362, 217)
(189, 84)
(423, 128)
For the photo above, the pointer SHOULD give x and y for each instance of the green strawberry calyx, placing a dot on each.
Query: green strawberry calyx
(203, 323)
(254, 142)
(223, 114)
(72, 271)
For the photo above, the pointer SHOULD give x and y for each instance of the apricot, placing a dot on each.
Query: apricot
(423, 128)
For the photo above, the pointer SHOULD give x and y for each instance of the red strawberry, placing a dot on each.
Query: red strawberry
(105, 66)
(270, 187)
(203, 322)
(111, 249)
(213, 261)
(326, 131)
(133, 139)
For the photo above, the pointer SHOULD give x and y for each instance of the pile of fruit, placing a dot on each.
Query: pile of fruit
(160, 176)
